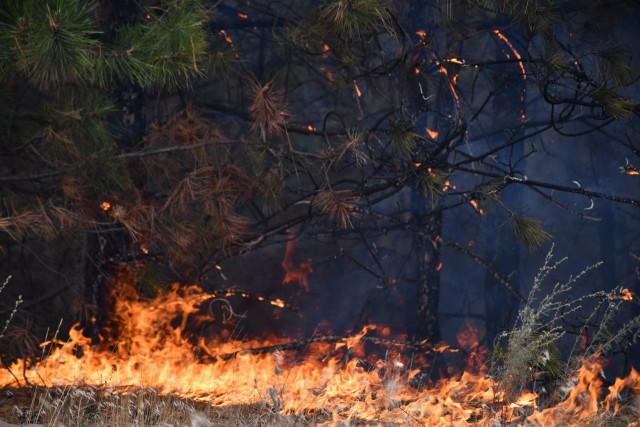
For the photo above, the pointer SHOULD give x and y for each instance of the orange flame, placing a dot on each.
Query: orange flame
(105, 206)
(299, 274)
(625, 294)
(243, 16)
(451, 81)
(277, 302)
(153, 343)
(469, 336)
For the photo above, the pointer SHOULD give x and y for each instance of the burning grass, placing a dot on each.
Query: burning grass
(150, 368)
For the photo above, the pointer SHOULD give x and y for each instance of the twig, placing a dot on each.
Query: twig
(502, 279)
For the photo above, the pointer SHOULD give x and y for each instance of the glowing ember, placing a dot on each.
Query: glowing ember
(228, 39)
(243, 16)
(355, 85)
(448, 185)
(476, 207)
(513, 49)
(517, 55)
(629, 169)
(432, 133)
(105, 206)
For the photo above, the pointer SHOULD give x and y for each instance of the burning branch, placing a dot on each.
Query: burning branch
(340, 339)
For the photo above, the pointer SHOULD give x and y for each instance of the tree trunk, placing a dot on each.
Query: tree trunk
(428, 285)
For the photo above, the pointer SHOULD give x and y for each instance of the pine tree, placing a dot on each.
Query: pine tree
(170, 135)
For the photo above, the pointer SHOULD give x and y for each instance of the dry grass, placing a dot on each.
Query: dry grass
(82, 406)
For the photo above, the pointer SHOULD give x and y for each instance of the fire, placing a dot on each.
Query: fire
(311, 128)
(329, 74)
(513, 49)
(517, 55)
(629, 169)
(624, 294)
(433, 134)
(469, 336)
(166, 344)
(450, 80)
(447, 185)
(105, 206)
(243, 16)
(300, 273)
(229, 40)
(355, 85)
(476, 207)
(277, 302)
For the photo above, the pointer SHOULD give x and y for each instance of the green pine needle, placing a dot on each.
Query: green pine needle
(616, 65)
(527, 230)
(352, 19)
(616, 105)
(403, 138)
(271, 191)
(487, 193)
(430, 182)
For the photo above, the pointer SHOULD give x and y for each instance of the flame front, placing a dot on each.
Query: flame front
(152, 343)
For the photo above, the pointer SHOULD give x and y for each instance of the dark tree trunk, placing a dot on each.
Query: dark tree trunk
(428, 285)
